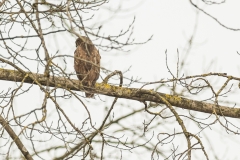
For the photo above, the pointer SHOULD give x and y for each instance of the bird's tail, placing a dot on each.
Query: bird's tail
(89, 95)
(88, 88)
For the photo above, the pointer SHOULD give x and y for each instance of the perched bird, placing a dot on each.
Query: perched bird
(87, 63)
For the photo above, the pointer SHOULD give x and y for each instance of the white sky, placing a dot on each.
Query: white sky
(171, 23)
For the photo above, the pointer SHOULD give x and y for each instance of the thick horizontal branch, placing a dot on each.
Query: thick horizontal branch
(120, 92)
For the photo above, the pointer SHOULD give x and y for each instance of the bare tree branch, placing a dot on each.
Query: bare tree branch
(15, 138)
(121, 92)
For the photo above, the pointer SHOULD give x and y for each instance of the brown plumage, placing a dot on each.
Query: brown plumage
(87, 63)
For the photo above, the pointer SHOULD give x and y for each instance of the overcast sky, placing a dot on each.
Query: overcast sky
(172, 23)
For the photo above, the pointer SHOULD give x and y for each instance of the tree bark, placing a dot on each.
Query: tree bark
(141, 95)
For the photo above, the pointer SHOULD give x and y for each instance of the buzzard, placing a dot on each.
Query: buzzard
(87, 63)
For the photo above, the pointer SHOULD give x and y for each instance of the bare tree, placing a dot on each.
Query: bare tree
(64, 123)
